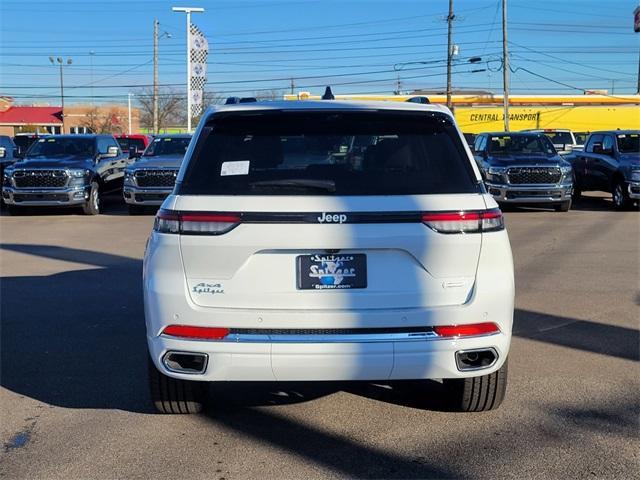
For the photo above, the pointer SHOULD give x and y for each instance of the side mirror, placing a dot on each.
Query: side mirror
(133, 152)
(3, 152)
(17, 152)
(111, 153)
(597, 147)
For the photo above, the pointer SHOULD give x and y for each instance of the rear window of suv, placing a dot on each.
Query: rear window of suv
(328, 153)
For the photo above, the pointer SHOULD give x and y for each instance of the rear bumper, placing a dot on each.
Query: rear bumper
(145, 196)
(505, 193)
(54, 197)
(325, 361)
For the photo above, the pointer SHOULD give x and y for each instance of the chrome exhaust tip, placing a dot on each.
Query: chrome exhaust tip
(185, 362)
(476, 359)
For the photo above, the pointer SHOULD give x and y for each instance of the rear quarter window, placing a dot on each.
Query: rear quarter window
(328, 153)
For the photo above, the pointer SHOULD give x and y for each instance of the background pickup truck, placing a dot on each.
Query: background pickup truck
(563, 140)
(610, 162)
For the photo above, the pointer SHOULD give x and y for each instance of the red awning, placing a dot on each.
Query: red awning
(31, 116)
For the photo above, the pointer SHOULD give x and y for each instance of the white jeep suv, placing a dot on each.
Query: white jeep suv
(328, 240)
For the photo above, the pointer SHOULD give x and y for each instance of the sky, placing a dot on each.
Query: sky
(256, 46)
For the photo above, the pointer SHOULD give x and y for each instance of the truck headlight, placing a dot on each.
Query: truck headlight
(78, 176)
(78, 173)
(566, 170)
(6, 177)
(496, 174)
(128, 178)
(635, 175)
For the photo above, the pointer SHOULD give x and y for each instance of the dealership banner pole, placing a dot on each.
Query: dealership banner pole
(188, 11)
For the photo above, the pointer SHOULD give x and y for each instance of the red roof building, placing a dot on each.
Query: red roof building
(43, 118)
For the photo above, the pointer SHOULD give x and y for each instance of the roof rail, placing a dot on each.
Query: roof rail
(236, 100)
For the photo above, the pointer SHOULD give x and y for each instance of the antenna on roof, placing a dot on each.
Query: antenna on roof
(328, 94)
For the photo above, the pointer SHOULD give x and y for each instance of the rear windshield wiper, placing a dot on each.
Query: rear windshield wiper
(328, 185)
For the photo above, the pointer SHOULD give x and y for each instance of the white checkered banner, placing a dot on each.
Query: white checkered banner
(198, 74)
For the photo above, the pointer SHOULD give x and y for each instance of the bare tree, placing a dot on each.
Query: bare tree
(170, 108)
(273, 94)
(100, 121)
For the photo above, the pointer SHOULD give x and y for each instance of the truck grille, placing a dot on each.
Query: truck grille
(156, 178)
(532, 175)
(40, 178)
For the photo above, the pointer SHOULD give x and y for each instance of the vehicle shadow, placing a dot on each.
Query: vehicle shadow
(610, 340)
(77, 340)
(350, 458)
(111, 204)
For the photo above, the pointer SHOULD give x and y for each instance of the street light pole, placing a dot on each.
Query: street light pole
(61, 63)
(188, 11)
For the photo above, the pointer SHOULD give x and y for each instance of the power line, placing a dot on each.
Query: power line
(566, 60)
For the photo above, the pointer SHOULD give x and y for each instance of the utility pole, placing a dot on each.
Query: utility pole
(129, 101)
(188, 11)
(505, 67)
(61, 63)
(449, 53)
(638, 89)
(398, 85)
(293, 86)
(155, 75)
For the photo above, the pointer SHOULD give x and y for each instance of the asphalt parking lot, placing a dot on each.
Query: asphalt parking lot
(74, 400)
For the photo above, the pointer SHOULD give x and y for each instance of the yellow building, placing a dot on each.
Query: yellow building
(477, 113)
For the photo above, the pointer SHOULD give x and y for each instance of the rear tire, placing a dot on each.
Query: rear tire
(173, 395)
(477, 394)
(92, 205)
(563, 207)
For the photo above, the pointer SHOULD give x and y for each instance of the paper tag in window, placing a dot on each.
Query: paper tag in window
(235, 168)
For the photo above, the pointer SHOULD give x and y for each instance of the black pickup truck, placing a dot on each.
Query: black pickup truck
(610, 163)
(65, 170)
(523, 168)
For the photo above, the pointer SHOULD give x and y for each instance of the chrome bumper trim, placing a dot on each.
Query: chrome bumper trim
(563, 191)
(332, 338)
(9, 192)
(133, 191)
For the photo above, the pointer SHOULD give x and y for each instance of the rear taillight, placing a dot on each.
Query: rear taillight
(203, 333)
(193, 223)
(464, 222)
(485, 328)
